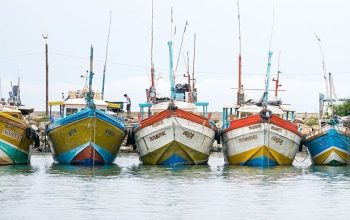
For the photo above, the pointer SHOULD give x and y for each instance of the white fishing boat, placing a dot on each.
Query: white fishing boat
(174, 131)
(259, 133)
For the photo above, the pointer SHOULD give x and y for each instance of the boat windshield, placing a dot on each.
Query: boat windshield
(70, 111)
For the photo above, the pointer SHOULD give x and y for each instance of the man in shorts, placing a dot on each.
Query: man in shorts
(128, 105)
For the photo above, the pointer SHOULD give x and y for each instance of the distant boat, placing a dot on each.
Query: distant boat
(86, 134)
(174, 133)
(259, 133)
(16, 136)
(330, 144)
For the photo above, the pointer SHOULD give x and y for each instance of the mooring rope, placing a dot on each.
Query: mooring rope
(307, 154)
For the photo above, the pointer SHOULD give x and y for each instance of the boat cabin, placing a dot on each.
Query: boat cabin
(12, 110)
(236, 112)
(152, 109)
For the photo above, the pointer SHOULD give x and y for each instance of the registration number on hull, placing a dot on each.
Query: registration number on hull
(12, 134)
(157, 136)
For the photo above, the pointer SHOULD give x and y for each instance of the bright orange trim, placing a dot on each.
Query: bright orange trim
(178, 113)
(285, 124)
(255, 119)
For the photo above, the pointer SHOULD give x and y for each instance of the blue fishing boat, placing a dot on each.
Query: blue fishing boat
(330, 144)
(86, 134)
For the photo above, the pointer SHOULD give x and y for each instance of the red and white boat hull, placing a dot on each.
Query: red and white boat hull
(257, 142)
(175, 138)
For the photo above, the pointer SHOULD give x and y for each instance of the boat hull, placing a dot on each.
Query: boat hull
(253, 141)
(14, 144)
(329, 145)
(89, 137)
(175, 139)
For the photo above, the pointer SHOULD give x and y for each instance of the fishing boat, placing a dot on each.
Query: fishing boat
(330, 144)
(259, 133)
(86, 134)
(174, 132)
(16, 136)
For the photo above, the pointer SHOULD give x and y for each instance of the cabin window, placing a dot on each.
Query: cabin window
(70, 111)
(245, 114)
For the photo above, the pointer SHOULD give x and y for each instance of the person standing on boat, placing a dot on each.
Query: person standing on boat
(128, 105)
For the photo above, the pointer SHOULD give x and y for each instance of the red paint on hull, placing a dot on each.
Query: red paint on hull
(88, 154)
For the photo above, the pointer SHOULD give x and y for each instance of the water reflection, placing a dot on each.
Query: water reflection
(264, 174)
(23, 169)
(165, 172)
(330, 172)
(101, 170)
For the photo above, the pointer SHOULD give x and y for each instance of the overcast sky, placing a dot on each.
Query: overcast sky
(73, 25)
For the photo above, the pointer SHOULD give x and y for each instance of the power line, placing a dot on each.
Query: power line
(161, 70)
(21, 55)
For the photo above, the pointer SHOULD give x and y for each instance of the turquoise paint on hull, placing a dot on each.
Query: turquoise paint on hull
(16, 155)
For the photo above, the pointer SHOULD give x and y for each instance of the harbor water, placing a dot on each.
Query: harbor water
(130, 190)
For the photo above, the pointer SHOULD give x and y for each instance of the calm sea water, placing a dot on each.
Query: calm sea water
(130, 190)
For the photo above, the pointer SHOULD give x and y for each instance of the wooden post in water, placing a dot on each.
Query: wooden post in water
(46, 75)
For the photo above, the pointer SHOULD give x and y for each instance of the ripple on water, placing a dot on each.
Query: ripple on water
(128, 189)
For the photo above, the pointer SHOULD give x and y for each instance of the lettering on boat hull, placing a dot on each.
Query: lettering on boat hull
(248, 138)
(157, 136)
(12, 134)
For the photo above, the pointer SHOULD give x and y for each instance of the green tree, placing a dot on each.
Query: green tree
(342, 109)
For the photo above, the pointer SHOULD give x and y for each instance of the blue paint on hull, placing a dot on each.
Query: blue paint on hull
(85, 114)
(175, 160)
(262, 161)
(331, 138)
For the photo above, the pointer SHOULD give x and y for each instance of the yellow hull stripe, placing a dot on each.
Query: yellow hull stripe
(320, 159)
(14, 135)
(162, 154)
(243, 157)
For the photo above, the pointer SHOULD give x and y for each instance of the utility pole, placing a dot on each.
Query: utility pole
(47, 75)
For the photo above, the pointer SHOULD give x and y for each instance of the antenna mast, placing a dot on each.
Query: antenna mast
(194, 56)
(182, 39)
(240, 92)
(277, 85)
(171, 73)
(268, 70)
(90, 95)
(152, 91)
(104, 67)
(323, 67)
